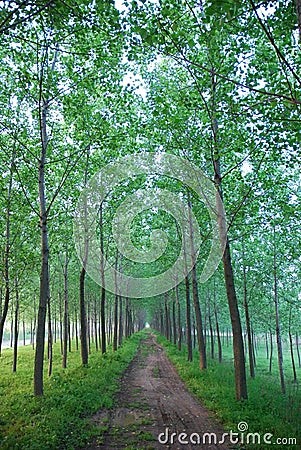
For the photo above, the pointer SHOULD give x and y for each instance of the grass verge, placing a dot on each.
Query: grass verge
(266, 411)
(58, 419)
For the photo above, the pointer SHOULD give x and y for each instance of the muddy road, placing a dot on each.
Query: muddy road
(154, 410)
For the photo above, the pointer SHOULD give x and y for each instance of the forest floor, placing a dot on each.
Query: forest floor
(152, 404)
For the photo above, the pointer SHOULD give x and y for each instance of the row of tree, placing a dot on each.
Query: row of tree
(220, 88)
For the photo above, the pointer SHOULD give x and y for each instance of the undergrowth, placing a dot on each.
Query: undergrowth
(58, 419)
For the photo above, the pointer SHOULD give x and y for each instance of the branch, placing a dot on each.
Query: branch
(64, 178)
(274, 45)
(237, 83)
(24, 19)
(246, 195)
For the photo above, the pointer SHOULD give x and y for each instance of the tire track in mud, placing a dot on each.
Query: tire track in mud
(154, 402)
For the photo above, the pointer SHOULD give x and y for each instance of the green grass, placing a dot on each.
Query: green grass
(59, 419)
(266, 411)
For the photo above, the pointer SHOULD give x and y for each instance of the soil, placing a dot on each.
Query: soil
(153, 402)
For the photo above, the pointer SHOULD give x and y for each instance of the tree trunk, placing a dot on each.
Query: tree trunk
(174, 322)
(188, 321)
(198, 318)
(16, 331)
(248, 326)
(4, 307)
(82, 300)
(55, 327)
(179, 333)
(238, 346)
(31, 333)
(277, 322)
(103, 320)
(292, 355)
(69, 333)
(109, 331)
(12, 327)
(103, 292)
(44, 276)
(266, 345)
(95, 325)
(219, 344)
(61, 323)
(83, 318)
(195, 295)
(271, 352)
(89, 326)
(24, 331)
(66, 315)
(116, 301)
(115, 332)
(210, 330)
(167, 318)
(120, 333)
(50, 354)
(291, 346)
(76, 331)
(254, 347)
(298, 351)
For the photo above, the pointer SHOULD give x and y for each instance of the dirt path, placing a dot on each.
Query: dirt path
(154, 402)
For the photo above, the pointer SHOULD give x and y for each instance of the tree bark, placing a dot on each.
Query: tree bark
(238, 346)
(103, 291)
(120, 332)
(4, 307)
(174, 322)
(210, 330)
(16, 323)
(219, 343)
(116, 301)
(179, 333)
(115, 332)
(76, 331)
(291, 346)
(292, 355)
(277, 322)
(66, 315)
(95, 324)
(83, 318)
(298, 351)
(266, 345)
(195, 296)
(188, 321)
(167, 318)
(271, 352)
(89, 326)
(82, 300)
(248, 326)
(103, 320)
(198, 318)
(44, 276)
(50, 353)
(61, 333)
(24, 331)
